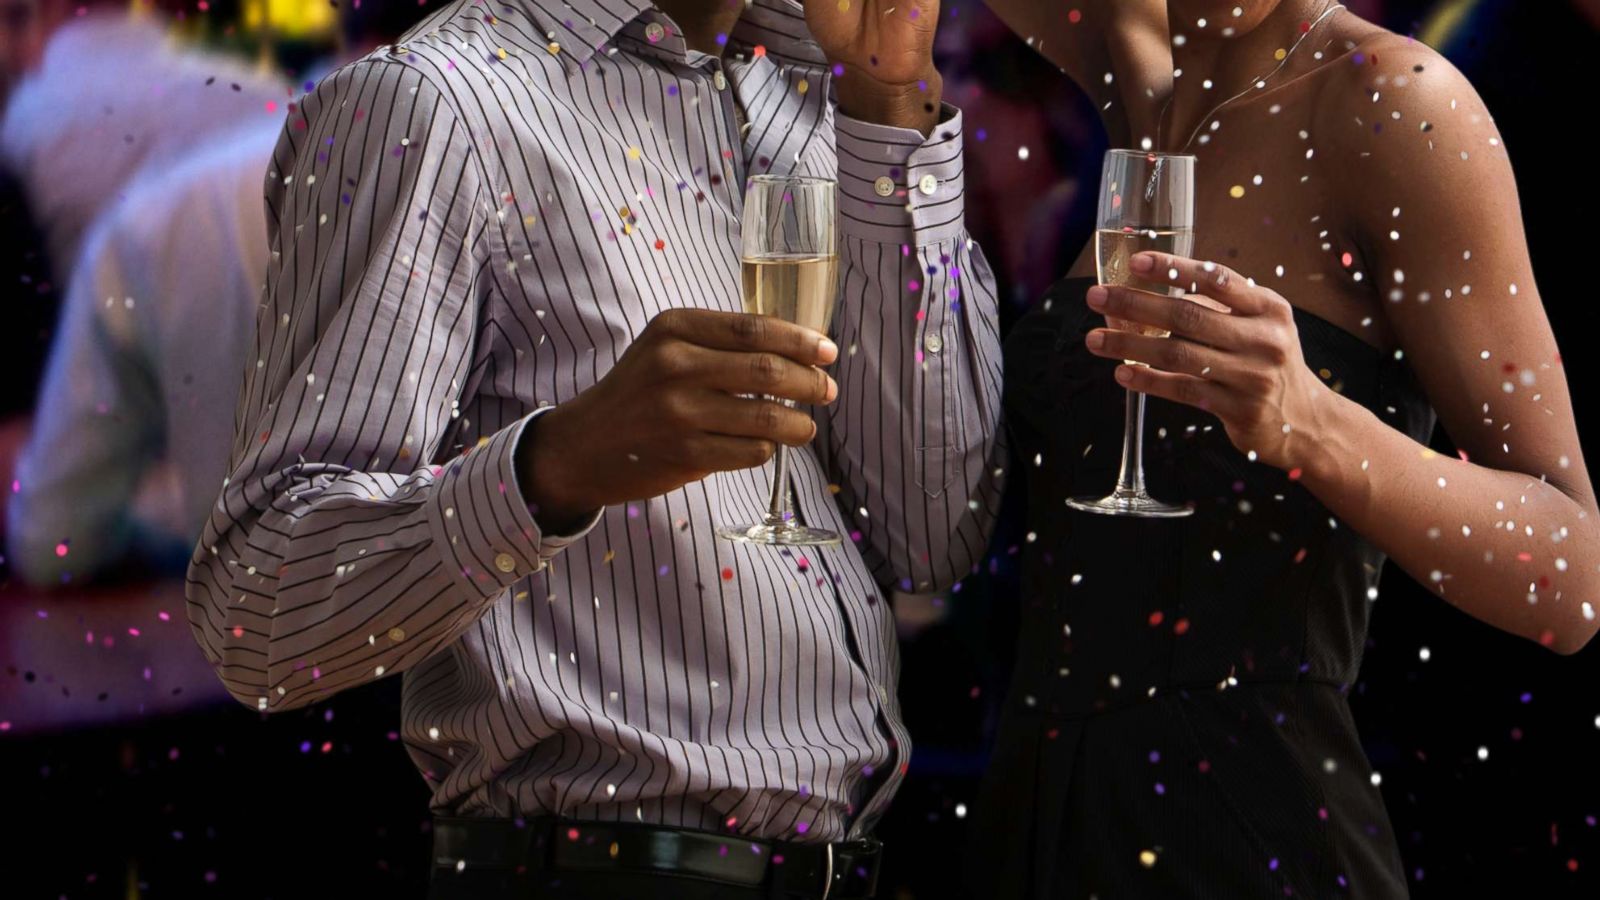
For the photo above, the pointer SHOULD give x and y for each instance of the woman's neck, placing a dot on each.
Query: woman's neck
(1231, 65)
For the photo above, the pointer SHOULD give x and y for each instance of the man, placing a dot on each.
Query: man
(498, 405)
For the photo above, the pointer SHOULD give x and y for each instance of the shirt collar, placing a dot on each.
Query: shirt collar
(581, 27)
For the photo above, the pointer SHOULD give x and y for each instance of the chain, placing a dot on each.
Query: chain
(1254, 83)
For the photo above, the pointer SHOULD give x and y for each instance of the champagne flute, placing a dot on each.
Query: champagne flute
(1146, 203)
(790, 265)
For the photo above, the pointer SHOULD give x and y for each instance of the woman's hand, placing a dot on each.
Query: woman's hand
(1240, 361)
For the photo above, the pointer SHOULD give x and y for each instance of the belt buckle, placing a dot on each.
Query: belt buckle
(827, 883)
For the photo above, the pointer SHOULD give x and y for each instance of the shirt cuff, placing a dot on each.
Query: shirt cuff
(897, 187)
(487, 532)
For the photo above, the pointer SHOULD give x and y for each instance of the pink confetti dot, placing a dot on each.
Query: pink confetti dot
(61, 549)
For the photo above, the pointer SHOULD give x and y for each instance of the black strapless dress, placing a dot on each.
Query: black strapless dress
(1177, 724)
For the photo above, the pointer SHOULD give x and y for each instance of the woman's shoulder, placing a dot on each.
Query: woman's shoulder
(1385, 83)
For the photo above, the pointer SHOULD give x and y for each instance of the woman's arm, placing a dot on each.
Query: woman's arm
(1508, 533)
(1511, 535)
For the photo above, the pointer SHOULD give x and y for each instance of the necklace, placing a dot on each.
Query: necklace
(1254, 83)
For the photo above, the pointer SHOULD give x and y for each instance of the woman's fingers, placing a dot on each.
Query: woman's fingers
(1170, 354)
(1216, 281)
(1179, 316)
(1200, 393)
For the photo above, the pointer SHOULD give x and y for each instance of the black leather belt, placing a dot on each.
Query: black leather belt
(841, 871)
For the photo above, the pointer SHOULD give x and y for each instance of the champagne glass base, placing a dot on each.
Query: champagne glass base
(1130, 503)
(787, 534)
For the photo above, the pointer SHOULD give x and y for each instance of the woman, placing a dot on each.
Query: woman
(1177, 725)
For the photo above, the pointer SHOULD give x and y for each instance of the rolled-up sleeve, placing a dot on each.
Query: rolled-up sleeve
(914, 439)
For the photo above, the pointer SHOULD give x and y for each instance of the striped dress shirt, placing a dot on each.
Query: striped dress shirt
(470, 226)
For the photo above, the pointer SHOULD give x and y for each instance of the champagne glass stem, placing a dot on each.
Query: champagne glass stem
(1130, 475)
(778, 506)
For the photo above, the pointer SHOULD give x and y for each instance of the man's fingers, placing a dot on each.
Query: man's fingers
(752, 373)
(751, 334)
(723, 453)
(719, 413)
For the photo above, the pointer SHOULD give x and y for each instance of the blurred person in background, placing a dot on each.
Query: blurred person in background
(100, 91)
(1034, 159)
(135, 419)
(99, 709)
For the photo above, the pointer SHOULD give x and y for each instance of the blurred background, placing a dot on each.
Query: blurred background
(133, 143)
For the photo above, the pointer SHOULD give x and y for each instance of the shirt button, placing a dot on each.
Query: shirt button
(654, 32)
(720, 80)
(928, 184)
(932, 342)
(884, 186)
(505, 562)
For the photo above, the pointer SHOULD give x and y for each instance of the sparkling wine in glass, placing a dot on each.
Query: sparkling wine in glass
(790, 268)
(1146, 203)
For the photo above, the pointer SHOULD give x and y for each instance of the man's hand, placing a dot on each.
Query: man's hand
(667, 413)
(886, 48)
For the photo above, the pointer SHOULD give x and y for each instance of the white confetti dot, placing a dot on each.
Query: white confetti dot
(1483, 753)
(961, 810)
(1022, 153)
(1376, 779)
(433, 734)
(1424, 654)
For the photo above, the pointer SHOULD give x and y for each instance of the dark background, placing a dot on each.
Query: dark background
(147, 799)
